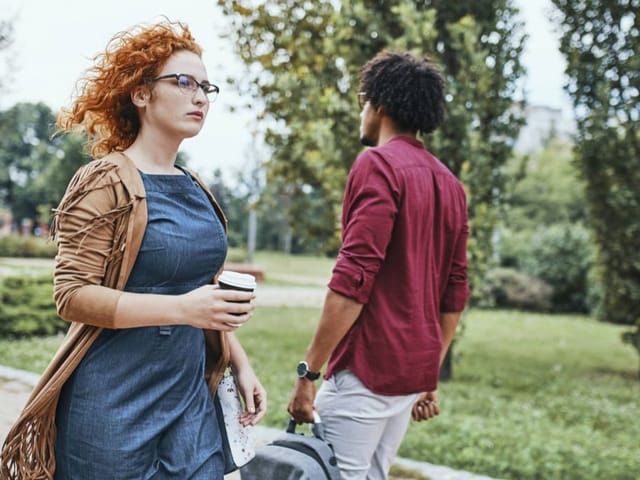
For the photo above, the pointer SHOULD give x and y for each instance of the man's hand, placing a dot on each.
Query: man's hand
(338, 316)
(301, 401)
(426, 406)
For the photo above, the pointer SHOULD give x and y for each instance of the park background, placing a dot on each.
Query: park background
(543, 380)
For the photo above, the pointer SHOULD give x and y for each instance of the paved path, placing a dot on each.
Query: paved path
(15, 386)
(273, 296)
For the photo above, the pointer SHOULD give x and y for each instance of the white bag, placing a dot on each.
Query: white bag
(237, 442)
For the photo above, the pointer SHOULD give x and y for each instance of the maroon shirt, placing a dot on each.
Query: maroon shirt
(404, 256)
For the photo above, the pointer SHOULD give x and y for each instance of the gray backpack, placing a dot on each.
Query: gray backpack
(294, 456)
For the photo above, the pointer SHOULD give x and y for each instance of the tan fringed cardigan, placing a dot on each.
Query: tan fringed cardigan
(99, 226)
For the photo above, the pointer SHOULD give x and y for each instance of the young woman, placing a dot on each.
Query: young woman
(140, 243)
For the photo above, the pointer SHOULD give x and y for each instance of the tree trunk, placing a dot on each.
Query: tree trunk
(252, 234)
(446, 370)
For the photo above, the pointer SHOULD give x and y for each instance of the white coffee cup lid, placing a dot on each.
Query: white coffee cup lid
(237, 279)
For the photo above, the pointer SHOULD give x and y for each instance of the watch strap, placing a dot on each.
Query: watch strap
(304, 372)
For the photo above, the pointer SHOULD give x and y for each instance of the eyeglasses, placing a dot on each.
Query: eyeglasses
(189, 85)
(362, 99)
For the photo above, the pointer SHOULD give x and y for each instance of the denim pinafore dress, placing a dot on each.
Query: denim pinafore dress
(138, 407)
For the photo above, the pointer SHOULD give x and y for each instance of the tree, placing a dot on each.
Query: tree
(34, 167)
(302, 60)
(305, 158)
(6, 40)
(542, 231)
(65, 156)
(233, 203)
(544, 187)
(600, 40)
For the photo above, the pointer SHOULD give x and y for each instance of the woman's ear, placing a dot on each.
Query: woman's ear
(140, 96)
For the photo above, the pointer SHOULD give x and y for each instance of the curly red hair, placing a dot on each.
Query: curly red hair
(103, 109)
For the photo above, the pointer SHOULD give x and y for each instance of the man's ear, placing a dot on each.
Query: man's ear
(140, 96)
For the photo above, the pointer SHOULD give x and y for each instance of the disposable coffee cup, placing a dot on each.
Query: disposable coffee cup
(229, 280)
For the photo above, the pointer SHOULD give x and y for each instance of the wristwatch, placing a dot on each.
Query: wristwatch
(304, 372)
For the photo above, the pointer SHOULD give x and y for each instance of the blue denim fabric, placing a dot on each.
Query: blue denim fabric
(137, 407)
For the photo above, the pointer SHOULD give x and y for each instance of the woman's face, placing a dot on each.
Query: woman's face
(173, 108)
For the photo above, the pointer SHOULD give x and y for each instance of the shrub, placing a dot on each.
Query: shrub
(28, 308)
(508, 288)
(561, 255)
(26, 246)
(237, 255)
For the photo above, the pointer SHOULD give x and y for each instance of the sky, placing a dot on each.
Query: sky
(56, 39)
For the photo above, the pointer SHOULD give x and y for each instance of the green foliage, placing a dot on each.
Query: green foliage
(302, 61)
(398, 472)
(536, 397)
(297, 82)
(509, 288)
(34, 167)
(234, 206)
(482, 44)
(31, 354)
(561, 255)
(544, 188)
(24, 133)
(542, 232)
(601, 43)
(273, 232)
(63, 161)
(28, 308)
(26, 246)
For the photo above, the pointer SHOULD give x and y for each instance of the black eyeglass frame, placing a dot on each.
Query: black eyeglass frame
(206, 87)
(362, 99)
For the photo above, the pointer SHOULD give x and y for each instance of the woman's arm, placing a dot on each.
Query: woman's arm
(252, 391)
(89, 223)
(208, 307)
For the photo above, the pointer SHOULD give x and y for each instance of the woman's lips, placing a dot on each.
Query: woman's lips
(198, 115)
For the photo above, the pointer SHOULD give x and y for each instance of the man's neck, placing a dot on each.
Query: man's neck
(389, 130)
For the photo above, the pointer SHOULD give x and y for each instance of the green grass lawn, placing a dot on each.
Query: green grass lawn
(299, 270)
(533, 396)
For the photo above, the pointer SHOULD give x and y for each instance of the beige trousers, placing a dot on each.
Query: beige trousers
(365, 428)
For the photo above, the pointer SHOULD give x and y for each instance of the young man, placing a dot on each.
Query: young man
(399, 284)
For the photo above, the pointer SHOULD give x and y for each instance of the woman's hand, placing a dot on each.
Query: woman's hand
(253, 394)
(213, 308)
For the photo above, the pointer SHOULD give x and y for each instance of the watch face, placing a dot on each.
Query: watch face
(302, 369)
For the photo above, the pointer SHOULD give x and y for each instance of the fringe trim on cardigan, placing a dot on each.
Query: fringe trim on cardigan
(24, 456)
(28, 452)
(87, 180)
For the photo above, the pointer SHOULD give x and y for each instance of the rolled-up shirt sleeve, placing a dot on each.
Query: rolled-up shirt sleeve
(369, 212)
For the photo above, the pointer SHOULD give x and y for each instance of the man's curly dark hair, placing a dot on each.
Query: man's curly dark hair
(410, 90)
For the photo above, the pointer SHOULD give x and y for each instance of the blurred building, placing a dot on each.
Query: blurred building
(542, 124)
